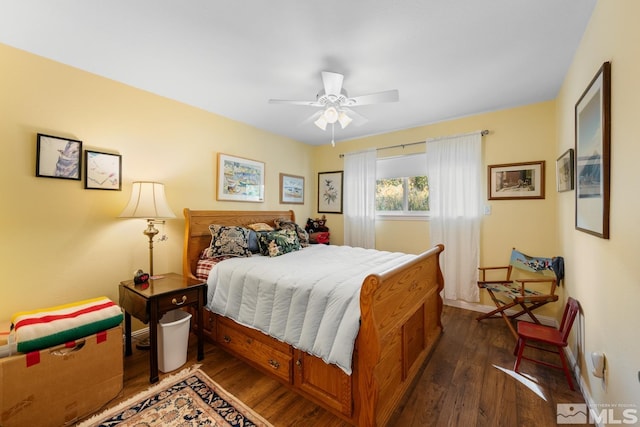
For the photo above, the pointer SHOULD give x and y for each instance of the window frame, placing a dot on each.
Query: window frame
(405, 214)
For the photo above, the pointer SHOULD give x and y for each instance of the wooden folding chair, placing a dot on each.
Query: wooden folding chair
(507, 292)
(529, 333)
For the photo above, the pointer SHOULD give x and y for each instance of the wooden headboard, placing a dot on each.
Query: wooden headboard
(197, 235)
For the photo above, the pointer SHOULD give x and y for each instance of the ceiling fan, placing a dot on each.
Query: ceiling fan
(335, 103)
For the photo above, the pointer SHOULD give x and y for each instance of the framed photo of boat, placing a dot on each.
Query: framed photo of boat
(593, 155)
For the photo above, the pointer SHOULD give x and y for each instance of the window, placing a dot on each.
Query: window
(402, 187)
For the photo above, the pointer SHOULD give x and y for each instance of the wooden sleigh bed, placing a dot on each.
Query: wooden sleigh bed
(400, 324)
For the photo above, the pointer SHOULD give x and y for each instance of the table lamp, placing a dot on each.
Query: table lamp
(148, 201)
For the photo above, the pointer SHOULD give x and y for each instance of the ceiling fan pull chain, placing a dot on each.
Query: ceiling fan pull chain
(333, 142)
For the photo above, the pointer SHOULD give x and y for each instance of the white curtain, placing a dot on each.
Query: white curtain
(359, 195)
(455, 199)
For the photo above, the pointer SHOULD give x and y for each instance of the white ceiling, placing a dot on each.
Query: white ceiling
(447, 58)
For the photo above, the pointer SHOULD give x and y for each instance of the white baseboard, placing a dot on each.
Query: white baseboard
(573, 364)
(140, 333)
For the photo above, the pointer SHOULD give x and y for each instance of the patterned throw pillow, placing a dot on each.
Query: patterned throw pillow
(285, 224)
(278, 242)
(229, 240)
(205, 264)
(260, 226)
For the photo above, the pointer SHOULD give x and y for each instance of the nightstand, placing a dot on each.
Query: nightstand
(149, 301)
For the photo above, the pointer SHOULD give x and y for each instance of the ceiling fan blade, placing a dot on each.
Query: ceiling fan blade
(312, 118)
(293, 102)
(374, 98)
(358, 119)
(332, 82)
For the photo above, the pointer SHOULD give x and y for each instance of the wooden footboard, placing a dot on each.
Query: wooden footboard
(400, 325)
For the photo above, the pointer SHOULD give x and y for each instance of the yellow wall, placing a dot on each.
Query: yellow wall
(61, 242)
(516, 135)
(600, 273)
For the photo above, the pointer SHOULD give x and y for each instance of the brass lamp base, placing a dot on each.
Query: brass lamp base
(151, 232)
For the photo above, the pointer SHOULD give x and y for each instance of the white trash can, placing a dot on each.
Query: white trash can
(173, 340)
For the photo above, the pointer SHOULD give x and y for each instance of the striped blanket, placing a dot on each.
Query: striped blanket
(38, 329)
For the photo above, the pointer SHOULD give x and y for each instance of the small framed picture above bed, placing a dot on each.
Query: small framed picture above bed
(240, 179)
(330, 192)
(291, 189)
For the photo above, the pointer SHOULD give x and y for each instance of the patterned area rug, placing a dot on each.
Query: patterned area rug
(189, 398)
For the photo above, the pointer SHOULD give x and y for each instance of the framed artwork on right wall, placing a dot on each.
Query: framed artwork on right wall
(593, 155)
(564, 171)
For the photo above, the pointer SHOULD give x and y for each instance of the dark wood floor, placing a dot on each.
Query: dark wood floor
(460, 385)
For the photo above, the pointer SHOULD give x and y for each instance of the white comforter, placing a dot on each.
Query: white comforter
(309, 298)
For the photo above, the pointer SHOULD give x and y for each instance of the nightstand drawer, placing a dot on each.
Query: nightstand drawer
(178, 299)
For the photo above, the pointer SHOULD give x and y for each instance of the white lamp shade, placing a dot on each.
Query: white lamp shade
(147, 201)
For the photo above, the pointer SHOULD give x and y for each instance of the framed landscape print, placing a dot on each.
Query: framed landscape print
(564, 171)
(240, 179)
(104, 171)
(291, 189)
(592, 153)
(58, 157)
(516, 181)
(330, 192)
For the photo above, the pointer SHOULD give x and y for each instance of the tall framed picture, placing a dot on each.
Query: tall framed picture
(564, 171)
(516, 181)
(104, 171)
(240, 179)
(593, 154)
(330, 192)
(58, 157)
(291, 189)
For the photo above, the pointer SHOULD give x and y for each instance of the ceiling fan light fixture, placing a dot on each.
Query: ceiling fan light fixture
(330, 115)
(344, 119)
(321, 122)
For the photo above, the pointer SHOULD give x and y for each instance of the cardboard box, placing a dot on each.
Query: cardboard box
(59, 385)
(5, 348)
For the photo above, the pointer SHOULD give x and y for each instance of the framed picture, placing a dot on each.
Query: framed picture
(291, 189)
(330, 192)
(240, 179)
(58, 157)
(564, 171)
(104, 171)
(516, 181)
(593, 146)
